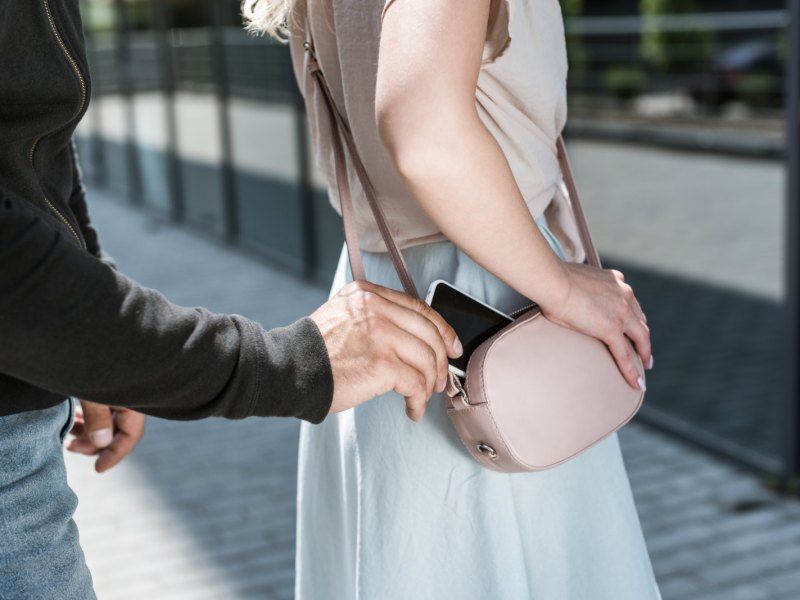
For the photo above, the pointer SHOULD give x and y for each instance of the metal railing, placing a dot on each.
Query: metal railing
(705, 60)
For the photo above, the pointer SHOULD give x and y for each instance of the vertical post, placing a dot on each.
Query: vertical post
(126, 90)
(220, 76)
(167, 83)
(791, 440)
(96, 155)
(305, 190)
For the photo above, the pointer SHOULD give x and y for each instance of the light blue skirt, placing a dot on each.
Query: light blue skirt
(389, 509)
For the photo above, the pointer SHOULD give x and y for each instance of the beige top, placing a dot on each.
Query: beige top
(521, 98)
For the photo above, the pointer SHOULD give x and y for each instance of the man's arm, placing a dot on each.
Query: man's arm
(72, 325)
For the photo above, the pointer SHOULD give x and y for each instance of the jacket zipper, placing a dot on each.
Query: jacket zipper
(81, 106)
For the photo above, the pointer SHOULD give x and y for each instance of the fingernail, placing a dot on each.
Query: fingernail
(102, 437)
(458, 347)
(650, 366)
(641, 383)
(442, 384)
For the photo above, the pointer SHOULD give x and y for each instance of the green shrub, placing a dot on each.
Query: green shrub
(673, 51)
(624, 82)
(576, 50)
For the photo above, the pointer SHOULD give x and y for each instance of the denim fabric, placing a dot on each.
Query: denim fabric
(40, 556)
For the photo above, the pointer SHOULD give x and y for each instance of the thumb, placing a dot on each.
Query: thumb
(98, 423)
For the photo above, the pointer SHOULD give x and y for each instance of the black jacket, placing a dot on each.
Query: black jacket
(70, 325)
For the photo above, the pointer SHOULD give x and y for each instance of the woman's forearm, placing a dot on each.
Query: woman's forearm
(460, 177)
(428, 67)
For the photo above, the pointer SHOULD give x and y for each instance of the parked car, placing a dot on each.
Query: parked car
(751, 71)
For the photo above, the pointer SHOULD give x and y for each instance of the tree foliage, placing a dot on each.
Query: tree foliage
(669, 50)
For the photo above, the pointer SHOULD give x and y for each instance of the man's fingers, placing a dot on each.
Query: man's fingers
(80, 442)
(415, 408)
(410, 384)
(126, 427)
(448, 334)
(77, 424)
(418, 343)
(78, 428)
(129, 430)
(111, 456)
(404, 349)
(81, 445)
(98, 423)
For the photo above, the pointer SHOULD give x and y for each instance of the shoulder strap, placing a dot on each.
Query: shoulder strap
(340, 129)
(577, 209)
(337, 125)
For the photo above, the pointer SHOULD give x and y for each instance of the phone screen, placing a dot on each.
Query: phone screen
(473, 321)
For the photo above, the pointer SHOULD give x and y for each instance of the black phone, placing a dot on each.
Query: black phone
(474, 321)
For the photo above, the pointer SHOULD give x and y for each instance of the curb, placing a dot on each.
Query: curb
(706, 141)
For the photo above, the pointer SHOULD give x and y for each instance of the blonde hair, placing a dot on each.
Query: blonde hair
(268, 17)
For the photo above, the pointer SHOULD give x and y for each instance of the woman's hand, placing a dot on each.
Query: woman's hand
(599, 303)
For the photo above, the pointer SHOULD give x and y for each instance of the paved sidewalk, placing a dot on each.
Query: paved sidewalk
(205, 510)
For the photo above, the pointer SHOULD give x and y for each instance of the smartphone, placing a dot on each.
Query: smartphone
(473, 320)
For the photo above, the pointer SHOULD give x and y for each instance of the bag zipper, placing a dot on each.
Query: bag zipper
(522, 310)
(81, 106)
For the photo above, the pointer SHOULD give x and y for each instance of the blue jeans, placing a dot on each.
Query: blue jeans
(40, 556)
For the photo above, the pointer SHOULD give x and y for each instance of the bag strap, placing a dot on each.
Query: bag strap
(340, 129)
(337, 124)
(592, 257)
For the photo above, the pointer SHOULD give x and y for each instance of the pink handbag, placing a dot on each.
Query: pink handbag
(536, 394)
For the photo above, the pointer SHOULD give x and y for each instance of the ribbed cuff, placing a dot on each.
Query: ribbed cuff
(298, 381)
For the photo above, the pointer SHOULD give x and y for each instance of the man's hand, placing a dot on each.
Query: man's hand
(380, 340)
(110, 433)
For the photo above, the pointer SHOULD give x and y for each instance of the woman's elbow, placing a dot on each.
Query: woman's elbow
(388, 118)
(409, 137)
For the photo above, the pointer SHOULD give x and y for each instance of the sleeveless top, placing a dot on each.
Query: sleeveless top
(521, 98)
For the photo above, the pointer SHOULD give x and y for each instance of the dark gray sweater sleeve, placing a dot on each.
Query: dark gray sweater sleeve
(72, 325)
(77, 204)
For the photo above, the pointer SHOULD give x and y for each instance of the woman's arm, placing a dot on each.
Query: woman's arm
(430, 58)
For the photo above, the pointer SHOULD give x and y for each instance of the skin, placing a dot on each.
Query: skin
(381, 340)
(430, 58)
(378, 340)
(109, 433)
